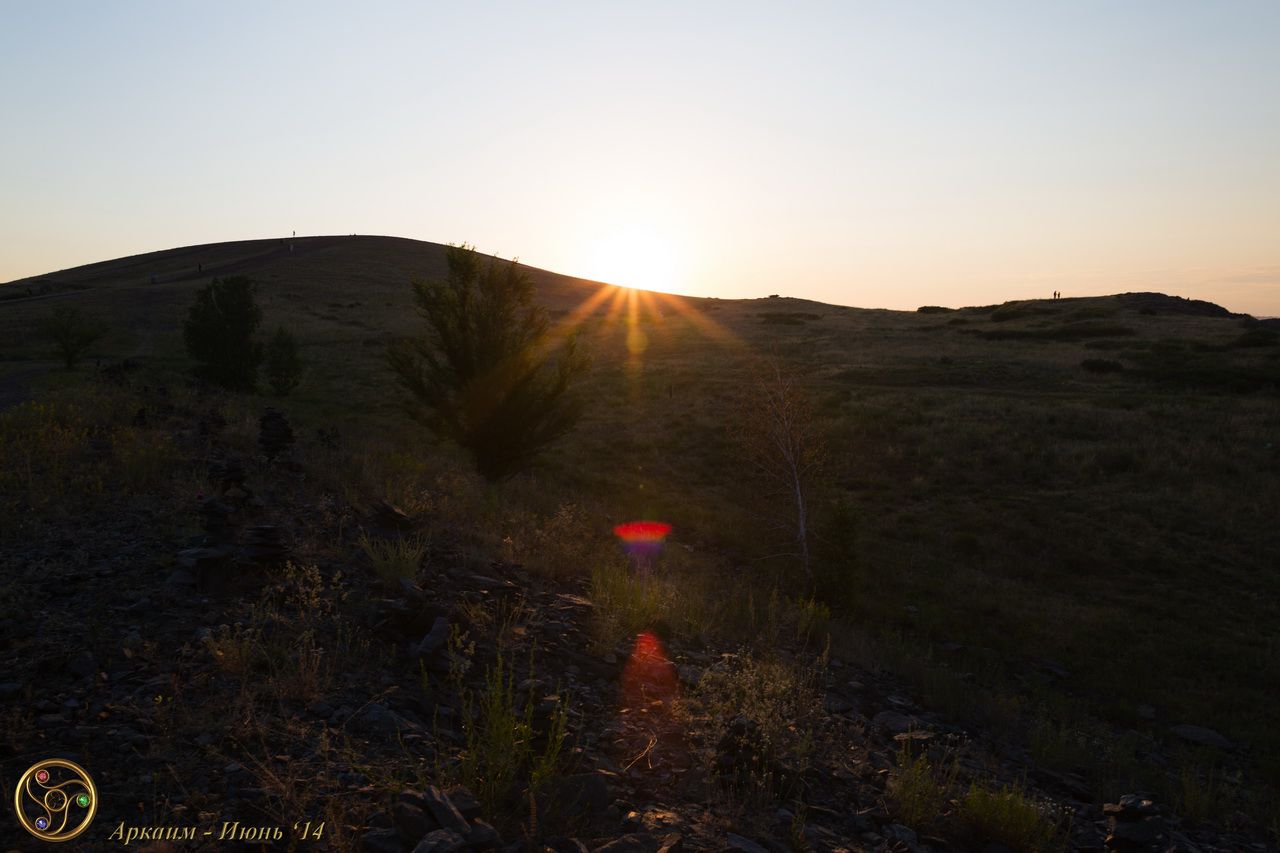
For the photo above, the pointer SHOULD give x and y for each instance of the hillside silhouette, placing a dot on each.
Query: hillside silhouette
(1042, 612)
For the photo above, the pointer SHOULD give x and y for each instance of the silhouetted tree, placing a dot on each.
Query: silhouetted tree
(284, 365)
(785, 454)
(219, 333)
(486, 373)
(71, 331)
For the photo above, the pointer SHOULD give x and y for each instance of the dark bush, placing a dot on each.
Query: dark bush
(71, 331)
(486, 374)
(1101, 365)
(219, 333)
(284, 365)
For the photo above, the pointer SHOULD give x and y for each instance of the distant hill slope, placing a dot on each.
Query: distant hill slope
(374, 261)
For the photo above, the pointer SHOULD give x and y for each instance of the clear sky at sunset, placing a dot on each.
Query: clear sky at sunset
(875, 154)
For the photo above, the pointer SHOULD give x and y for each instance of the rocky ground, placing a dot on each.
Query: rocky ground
(216, 669)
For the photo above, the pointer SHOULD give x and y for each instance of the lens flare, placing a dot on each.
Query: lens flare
(648, 674)
(643, 541)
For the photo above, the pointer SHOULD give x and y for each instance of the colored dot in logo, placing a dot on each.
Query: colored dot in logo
(42, 823)
(42, 776)
(83, 801)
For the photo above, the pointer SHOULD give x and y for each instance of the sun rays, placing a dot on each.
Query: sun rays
(638, 312)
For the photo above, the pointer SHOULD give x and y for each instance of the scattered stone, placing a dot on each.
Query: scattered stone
(1202, 736)
(1146, 712)
(435, 639)
(379, 719)
(560, 844)
(483, 836)
(742, 845)
(445, 812)
(579, 796)
(896, 723)
(440, 841)
(411, 821)
(672, 843)
(903, 834)
(198, 562)
(465, 802)
(636, 842)
(83, 665)
(388, 518)
(1135, 825)
(275, 436)
(264, 543)
(381, 841)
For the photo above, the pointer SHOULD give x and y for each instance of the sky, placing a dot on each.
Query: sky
(877, 154)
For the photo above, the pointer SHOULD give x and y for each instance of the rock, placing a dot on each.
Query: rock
(1135, 834)
(10, 689)
(440, 841)
(1201, 735)
(200, 560)
(1135, 825)
(275, 436)
(1146, 712)
(321, 709)
(83, 665)
(580, 796)
(264, 543)
(633, 843)
(904, 834)
(381, 720)
(435, 639)
(445, 812)
(895, 723)
(389, 518)
(411, 821)
(742, 845)
(181, 579)
(672, 843)
(381, 841)
(483, 836)
(560, 844)
(465, 802)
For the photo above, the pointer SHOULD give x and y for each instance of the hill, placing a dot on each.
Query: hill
(1046, 535)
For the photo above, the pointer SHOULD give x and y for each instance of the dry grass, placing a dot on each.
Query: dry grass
(1020, 505)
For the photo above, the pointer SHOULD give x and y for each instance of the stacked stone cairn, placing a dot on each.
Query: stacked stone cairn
(275, 436)
(1135, 825)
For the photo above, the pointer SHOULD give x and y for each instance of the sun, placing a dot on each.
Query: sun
(639, 256)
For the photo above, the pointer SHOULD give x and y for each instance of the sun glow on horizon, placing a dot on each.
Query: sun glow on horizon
(637, 255)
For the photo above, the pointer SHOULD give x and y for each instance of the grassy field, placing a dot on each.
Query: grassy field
(1015, 529)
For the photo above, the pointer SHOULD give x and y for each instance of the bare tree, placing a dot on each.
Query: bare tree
(785, 452)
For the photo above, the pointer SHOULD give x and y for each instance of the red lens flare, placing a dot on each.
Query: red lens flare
(642, 531)
(648, 674)
(642, 540)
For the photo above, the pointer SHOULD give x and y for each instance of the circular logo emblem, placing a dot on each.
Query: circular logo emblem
(55, 800)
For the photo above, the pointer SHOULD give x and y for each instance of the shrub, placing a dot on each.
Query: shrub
(1101, 365)
(71, 331)
(43, 449)
(486, 374)
(1006, 815)
(934, 309)
(919, 789)
(393, 559)
(784, 453)
(219, 333)
(502, 740)
(768, 710)
(284, 366)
